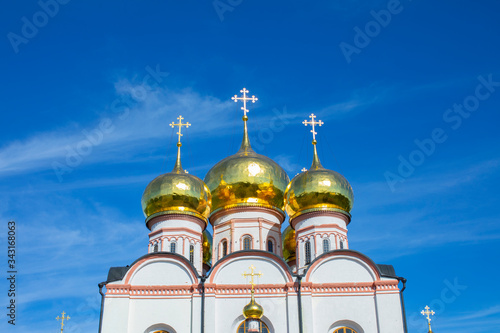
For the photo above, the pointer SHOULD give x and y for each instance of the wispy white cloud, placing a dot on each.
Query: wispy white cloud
(65, 247)
(377, 194)
(400, 218)
(137, 125)
(287, 163)
(469, 321)
(129, 130)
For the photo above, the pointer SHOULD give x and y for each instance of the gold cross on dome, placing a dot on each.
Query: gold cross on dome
(303, 170)
(428, 313)
(235, 98)
(62, 318)
(252, 274)
(313, 123)
(180, 124)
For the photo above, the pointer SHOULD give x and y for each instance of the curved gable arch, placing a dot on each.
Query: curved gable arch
(228, 270)
(342, 266)
(161, 269)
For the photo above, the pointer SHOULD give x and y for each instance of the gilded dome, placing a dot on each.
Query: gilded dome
(247, 179)
(253, 310)
(289, 244)
(176, 192)
(207, 248)
(318, 189)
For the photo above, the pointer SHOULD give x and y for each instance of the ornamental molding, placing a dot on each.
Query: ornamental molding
(320, 212)
(244, 290)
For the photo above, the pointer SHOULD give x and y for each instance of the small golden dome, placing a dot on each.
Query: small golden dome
(176, 192)
(253, 310)
(318, 189)
(247, 179)
(289, 244)
(207, 248)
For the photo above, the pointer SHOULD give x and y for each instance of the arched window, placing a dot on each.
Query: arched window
(172, 247)
(326, 245)
(247, 243)
(155, 249)
(270, 245)
(262, 327)
(341, 244)
(224, 248)
(344, 330)
(191, 253)
(307, 247)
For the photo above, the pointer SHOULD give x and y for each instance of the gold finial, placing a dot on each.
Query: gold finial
(245, 145)
(428, 313)
(316, 163)
(252, 275)
(62, 318)
(178, 166)
(253, 310)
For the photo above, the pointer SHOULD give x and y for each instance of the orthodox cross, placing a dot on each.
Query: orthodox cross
(62, 318)
(428, 313)
(252, 274)
(180, 124)
(235, 98)
(313, 123)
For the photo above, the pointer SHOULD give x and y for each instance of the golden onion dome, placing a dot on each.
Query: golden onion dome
(207, 248)
(253, 310)
(176, 192)
(318, 189)
(289, 244)
(247, 179)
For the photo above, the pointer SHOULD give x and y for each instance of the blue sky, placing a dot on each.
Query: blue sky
(118, 72)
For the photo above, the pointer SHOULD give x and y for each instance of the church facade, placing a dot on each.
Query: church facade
(249, 276)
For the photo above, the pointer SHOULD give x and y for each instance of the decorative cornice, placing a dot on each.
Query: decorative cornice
(268, 290)
(319, 212)
(174, 215)
(280, 215)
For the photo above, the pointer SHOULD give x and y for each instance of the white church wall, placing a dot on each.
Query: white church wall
(227, 313)
(388, 307)
(183, 232)
(115, 316)
(172, 312)
(260, 226)
(360, 310)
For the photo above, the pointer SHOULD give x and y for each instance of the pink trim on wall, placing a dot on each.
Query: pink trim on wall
(317, 228)
(251, 239)
(271, 238)
(185, 230)
(220, 249)
(269, 290)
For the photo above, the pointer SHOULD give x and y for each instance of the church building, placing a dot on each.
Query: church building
(248, 275)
